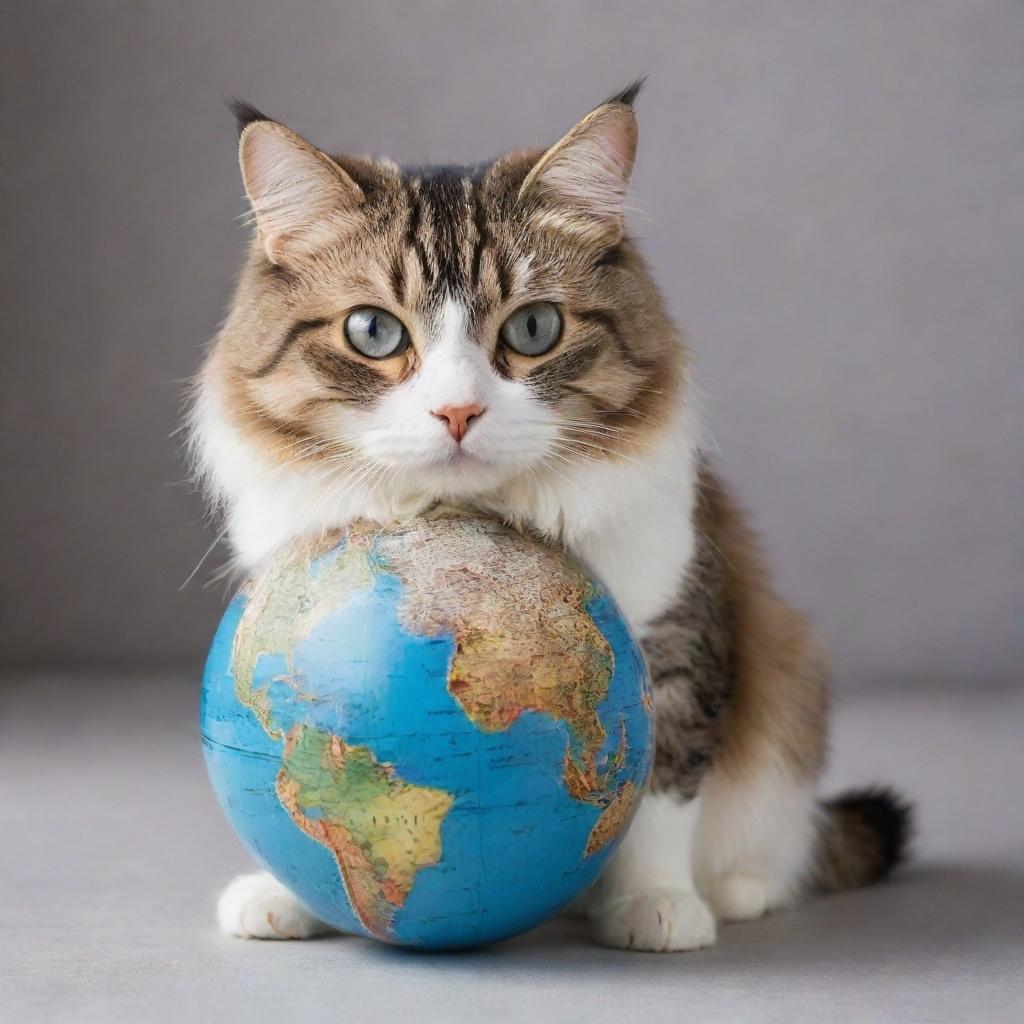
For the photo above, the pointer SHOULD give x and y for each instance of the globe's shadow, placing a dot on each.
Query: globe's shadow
(937, 912)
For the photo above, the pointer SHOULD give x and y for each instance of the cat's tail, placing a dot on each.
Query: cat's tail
(863, 835)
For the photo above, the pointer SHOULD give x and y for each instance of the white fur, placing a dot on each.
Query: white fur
(647, 898)
(258, 906)
(754, 840)
(266, 501)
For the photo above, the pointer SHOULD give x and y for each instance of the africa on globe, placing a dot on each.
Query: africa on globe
(434, 733)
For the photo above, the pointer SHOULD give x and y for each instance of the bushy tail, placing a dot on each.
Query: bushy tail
(864, 834)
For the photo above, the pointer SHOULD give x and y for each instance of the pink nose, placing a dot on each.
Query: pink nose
(458, 418)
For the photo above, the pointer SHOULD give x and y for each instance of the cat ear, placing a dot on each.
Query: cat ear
(580, 183)
(301, 199)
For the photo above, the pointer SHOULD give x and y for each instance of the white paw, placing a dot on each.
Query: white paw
(258, 906)
(739, 897)
(657, 920)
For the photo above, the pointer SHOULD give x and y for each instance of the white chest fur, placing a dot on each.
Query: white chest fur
(646, 540)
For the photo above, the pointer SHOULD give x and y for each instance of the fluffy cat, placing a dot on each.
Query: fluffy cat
(490, 336)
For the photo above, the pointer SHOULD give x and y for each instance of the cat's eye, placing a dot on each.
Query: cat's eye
(375, 332)
(533, 330)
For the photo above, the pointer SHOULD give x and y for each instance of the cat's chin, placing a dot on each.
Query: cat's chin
(464, 477)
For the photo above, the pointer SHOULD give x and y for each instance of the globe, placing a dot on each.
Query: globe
(434, 733)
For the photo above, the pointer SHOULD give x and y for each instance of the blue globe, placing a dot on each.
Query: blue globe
(435, 733)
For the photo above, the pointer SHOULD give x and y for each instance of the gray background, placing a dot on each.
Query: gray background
(834, 203)
(835, 206)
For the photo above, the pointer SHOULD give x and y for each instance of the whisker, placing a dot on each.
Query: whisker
(206, 554)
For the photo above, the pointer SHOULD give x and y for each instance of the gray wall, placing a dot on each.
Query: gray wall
(834, 197)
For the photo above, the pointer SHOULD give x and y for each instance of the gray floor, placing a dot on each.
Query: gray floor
(114, 849)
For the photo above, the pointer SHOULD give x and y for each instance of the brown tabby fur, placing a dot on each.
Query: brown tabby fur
(739, 676)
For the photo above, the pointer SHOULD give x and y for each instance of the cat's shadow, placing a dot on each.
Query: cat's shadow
(926, 913)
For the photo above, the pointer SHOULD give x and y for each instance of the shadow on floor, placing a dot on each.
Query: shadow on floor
(927, 912)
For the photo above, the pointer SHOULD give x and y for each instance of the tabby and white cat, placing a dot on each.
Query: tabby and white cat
(489, 336)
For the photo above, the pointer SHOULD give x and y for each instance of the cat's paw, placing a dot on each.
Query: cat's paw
(739, 897)
(655, 920)
(258, 906)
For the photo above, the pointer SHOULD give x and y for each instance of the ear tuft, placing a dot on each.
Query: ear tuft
(302, 200)
(245, 113)
(629, 94)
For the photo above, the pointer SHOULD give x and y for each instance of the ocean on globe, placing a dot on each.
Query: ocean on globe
(434, 733)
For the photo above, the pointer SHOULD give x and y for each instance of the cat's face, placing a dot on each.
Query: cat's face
(444, 333)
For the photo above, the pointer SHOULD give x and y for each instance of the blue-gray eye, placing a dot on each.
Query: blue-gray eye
(375, 332)
(533, 330)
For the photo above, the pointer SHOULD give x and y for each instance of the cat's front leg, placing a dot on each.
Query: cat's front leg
(258, 906)
(646, 899)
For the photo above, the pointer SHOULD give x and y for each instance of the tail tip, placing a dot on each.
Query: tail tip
(888, 815)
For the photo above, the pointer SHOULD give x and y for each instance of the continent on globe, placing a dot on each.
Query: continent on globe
(381, 830)
(281, 608)
(613, 818)
(604, 790)
(524, 640)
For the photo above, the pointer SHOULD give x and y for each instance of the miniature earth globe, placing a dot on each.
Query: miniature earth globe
(434, 733)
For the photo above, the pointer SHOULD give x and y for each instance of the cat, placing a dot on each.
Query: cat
(490, 336)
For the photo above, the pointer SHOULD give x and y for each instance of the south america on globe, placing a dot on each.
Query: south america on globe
(434, 733)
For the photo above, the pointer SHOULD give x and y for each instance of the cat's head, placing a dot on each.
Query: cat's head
(445, 333)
